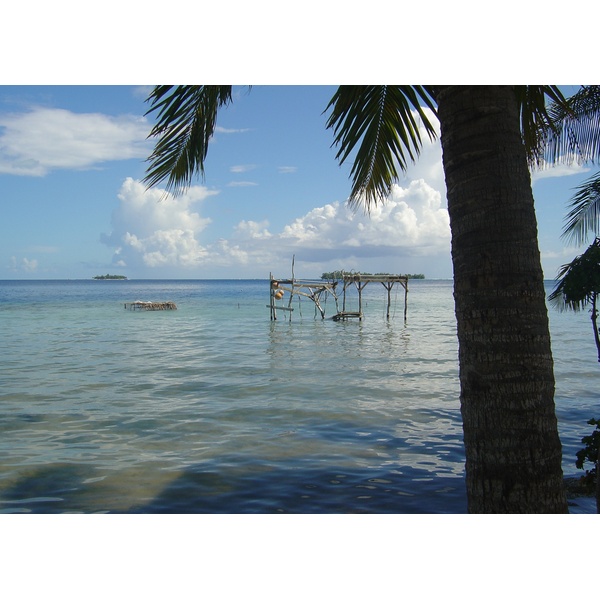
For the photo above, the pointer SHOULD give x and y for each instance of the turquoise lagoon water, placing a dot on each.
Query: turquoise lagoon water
(214, 408)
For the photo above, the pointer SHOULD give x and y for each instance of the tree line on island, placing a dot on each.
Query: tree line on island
(107, 276)
(340, 275)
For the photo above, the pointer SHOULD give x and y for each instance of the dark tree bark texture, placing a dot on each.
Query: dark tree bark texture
(513, 452)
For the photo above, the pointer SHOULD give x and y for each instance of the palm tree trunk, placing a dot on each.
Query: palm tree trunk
(513, 452)
(595, 323)
(597, 339)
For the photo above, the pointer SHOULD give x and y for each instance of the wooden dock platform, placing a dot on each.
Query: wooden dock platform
(344, 316)
(141, 305)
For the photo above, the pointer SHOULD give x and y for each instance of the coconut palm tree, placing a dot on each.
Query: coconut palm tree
(513, 452)
(577, 133)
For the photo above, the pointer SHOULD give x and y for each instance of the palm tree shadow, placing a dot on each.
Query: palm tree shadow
(49, 489)
(210, 488)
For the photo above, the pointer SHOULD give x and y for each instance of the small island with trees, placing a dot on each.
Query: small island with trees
(340, 275)
(107, 276)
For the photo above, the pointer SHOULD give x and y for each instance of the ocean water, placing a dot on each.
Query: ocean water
(214, 408)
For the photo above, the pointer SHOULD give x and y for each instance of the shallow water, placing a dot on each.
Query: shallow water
(213, 408)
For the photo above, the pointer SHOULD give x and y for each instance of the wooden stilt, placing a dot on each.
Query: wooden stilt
(389, 287)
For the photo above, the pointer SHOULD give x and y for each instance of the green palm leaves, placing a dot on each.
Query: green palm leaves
(579, 285)
(378, 126)
(576, 126)
(576, 135)
(537, 124)
(584, 216)
(378, 121)
(579, 280)
(187, 118)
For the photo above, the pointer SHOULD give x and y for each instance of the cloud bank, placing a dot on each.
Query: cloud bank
(168, 236)
(152, 229)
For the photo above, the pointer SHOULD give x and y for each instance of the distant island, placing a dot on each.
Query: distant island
(107, 276)
(340, 274)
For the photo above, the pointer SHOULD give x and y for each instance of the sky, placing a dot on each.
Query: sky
(72, 160)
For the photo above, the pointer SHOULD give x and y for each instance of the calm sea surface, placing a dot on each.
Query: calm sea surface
(214, 408)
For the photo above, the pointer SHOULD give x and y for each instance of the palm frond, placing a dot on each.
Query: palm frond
(378, 122)
(584, 216)
(576, 130)
(557, 297)
(579, 281)
(536, 123)
(186, 120)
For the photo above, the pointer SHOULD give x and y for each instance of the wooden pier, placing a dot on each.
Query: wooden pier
(141, 305)
(316, 290)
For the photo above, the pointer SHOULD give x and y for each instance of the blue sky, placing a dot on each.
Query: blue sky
(73, 206)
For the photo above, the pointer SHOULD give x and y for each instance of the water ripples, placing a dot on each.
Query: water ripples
(214, 408)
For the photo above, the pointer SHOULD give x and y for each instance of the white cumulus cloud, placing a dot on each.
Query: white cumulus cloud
(45, 139)
(241, 168)
(242, 184)
(25, 265)
(412, 220)
(152, 228)
(568, 167)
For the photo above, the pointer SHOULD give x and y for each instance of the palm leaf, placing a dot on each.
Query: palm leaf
(186, 120)
(579, 281)
(584, 216)
(537, 125)
(378, 122)
(576, 127)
